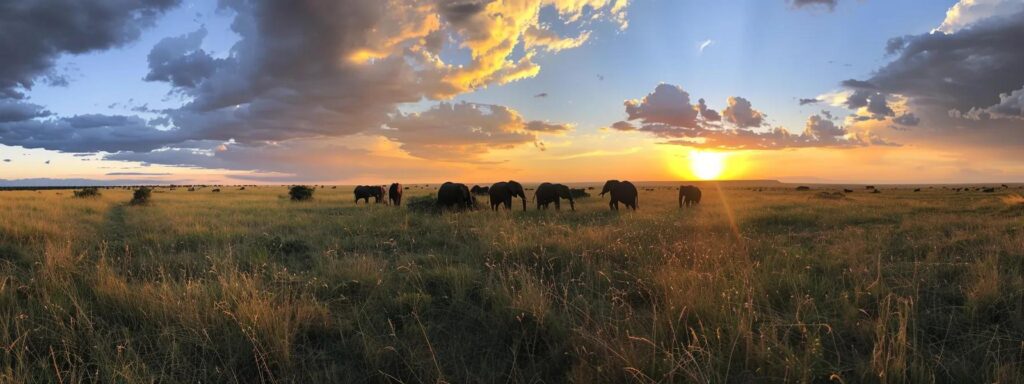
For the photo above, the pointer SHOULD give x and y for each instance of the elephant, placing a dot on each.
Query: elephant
(478, 190)
(503, 192)
(621, 191)
(455, 195)
(395, 194)
(365, 192)
(689, 195)
(548, 193)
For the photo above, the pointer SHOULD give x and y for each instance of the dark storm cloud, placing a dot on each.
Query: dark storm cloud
(86, 133)
(36, 32)
(908, 119)
(965, 69)
(300, 71)
(180, 61)
(875, 102)
(14, 110)
(458, 11)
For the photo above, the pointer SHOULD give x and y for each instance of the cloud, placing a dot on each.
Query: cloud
(667, 114)
(546, 127)
(809, 101)
(622, 126)
(668, 104)
(704, 45)
(86, 133)
(464, 131)
(542, 94)
(14, 110)
(180, 61)
(706, 113)
(37, 32)
(907, 119)
(740, 112)
(967, 12)
(968, 68)
(539, 36)
(321, 68)
(138, 174)
(830, 4)
(1010, 106)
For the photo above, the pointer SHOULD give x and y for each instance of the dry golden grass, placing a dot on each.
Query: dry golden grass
(774, 286)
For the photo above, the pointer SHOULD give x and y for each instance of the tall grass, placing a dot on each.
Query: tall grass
(244, 286)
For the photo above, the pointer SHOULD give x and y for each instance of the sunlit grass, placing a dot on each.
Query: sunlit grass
(248, 286)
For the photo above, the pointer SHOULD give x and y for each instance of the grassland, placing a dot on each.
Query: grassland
(771, 286)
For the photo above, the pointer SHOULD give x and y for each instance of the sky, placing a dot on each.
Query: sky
(375, 91)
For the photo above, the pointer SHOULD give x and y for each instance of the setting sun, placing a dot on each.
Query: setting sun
(707, 165)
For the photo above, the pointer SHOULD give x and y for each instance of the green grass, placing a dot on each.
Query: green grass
(248, 286)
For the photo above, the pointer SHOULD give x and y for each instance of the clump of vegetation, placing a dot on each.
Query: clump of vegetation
(301, 193)
(423, 204)
(87, 192)
(141, 196)
(830, 195)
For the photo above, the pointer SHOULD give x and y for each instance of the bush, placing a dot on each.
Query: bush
(87, 192)
(301, 193)
(426, 204)
(141, 196)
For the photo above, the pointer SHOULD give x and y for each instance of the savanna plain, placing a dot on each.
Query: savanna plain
(764, 284)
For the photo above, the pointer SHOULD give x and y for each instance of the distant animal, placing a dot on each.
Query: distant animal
(803, 188)
(241, 189)
(869, 187)
(365, 192)
(1005, 186)
(455, 195)
(988, 190)
(548, 193)
(395, 194)
(478, 190)
(215, 190)
(502, 193)
(875, 191)
(689, 195)
(848, 190)
(621, 192)
(917, 189)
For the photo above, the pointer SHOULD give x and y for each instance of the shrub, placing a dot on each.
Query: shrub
(426, 204)
(301, 193)
(87, 192)
(141, 196)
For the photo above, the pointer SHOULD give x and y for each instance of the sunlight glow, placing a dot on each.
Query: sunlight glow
(707, 165)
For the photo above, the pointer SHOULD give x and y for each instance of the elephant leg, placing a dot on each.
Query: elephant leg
(558, 205)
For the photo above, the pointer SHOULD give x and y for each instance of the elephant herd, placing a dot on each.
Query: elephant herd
(457, 195)
(378, 193)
